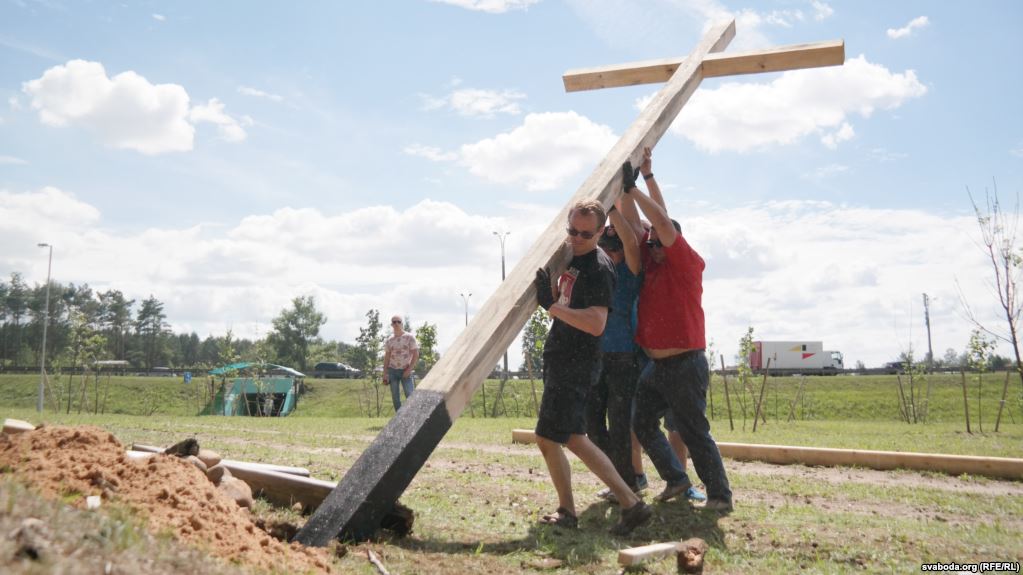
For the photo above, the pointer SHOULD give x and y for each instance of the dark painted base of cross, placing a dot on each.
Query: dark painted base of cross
(356, 508)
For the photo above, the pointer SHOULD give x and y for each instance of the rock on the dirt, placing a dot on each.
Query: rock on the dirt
(217, 473)
(691, 554)
(198, 463)
(209, 457)
(237, 490)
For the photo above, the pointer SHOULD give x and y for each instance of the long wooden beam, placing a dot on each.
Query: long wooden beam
(373, 484)
(996, 467)
(794, 57)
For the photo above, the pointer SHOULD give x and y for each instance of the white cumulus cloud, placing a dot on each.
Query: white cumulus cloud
(213, 112)
(844, 133)
(744, 116)
(850, 276)
(125, 111)
(490, 6)
(905, 31)
(543, 153)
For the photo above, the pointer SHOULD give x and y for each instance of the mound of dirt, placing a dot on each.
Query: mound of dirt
(173, 495)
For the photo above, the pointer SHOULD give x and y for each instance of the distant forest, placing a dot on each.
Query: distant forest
(85, 326)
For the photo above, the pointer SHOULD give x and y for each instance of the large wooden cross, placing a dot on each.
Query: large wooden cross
(355, 508)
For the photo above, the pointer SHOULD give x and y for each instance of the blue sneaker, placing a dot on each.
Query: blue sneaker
(641, 482)
(695, 494)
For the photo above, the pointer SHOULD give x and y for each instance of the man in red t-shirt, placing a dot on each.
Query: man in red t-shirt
(671, 331)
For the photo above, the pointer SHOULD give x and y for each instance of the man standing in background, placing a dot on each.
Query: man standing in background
(401, 353)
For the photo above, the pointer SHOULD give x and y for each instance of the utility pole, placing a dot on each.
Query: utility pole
(504, 375)
(465, 300)
(927, 322)
(46, 322)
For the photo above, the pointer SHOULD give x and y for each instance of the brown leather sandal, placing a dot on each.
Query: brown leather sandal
(560, 518)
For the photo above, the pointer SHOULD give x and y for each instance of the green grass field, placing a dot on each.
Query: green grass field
(478, 496)
(847, 397)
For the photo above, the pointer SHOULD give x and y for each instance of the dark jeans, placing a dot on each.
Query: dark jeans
(679, 383)
(612, 396)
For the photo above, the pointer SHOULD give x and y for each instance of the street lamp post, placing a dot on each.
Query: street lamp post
(46, 322)
(501, 236)
(465, 300)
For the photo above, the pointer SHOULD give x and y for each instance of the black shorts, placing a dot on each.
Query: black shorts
(563, 407)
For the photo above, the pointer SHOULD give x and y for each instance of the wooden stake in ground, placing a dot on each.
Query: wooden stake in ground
(760, 401)
(904, 403)
(728, 400)
(966, 403)
(799, 393)
(375, 481)
(1001, 404)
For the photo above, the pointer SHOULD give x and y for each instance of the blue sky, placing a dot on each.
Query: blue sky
(229, 156)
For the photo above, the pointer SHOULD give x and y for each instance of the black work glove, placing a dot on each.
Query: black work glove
(544, 295)
(629, 176)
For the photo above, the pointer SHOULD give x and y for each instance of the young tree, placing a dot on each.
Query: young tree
(979, 349)
(367, 353)
(533, 338)
(293, 331)
(369, 344)
(998, 242)
(426, 336)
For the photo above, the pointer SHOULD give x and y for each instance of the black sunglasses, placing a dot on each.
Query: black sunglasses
(654, 244)
(394, 321)
(585, 235)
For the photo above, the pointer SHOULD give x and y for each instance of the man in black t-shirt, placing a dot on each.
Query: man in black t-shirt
(578, 304)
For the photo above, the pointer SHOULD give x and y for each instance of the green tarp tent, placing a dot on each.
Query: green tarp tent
(271, 396)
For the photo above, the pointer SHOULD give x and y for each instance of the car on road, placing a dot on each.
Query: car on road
(335, 370)
(894, 367)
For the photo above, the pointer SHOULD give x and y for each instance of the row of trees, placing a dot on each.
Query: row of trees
(85, 325)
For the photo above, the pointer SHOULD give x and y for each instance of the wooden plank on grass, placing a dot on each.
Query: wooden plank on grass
(13, 426)
(998, 467)
(523, 436)
(301, 471)
(283, 489)
(636, 555)
(794, 57)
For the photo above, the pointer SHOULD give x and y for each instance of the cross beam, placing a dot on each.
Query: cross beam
(794, 57)
(370, 488)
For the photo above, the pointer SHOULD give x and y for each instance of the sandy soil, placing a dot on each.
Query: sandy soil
(174, 496)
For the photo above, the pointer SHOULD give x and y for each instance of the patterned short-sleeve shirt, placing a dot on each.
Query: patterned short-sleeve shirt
(401, 348)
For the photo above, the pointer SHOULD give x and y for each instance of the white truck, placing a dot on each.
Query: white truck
(789, 357)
